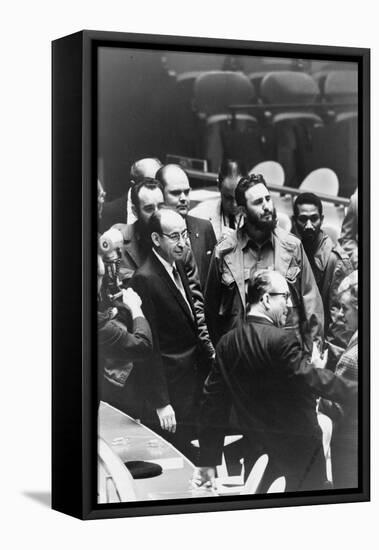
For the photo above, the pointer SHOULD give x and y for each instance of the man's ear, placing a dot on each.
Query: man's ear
(265, 300)
(155, 239)
(322, 219)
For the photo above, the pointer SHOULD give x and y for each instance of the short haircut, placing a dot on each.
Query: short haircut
(259, 283)
(161, 174)
(244, 184)
(230, 168)
(350, 284)
(137, 172)
(155, 223)
(307, 198)
(149, 183)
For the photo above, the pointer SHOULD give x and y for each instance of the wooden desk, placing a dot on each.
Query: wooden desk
(131, 440)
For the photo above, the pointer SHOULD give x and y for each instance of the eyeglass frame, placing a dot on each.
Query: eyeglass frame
(176, 236)
(287, 295)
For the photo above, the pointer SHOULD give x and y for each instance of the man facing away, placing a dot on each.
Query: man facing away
(176, 192)
(329, 262)
(172, 384)
(261, 369)
(223, 211)
(259, 244)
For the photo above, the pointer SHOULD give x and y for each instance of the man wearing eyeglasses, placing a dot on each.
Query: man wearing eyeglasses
(176, 192)
(329, 262)
(173, 379)
(262, 370)
(260, 244)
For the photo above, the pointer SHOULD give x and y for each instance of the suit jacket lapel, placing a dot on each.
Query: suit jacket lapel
(172, 287)
(187, 290)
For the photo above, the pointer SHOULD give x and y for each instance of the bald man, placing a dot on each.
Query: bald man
(172, 386)
(176, 193)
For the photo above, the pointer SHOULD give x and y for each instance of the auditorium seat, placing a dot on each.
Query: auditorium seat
(224, 135)
(255, 477)
(277, 486)
(271, 170)
(321, 180)
(335, 144)
(284, 221)
(293, 126)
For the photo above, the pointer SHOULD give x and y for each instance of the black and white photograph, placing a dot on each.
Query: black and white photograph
(229, 187)
(189, 275)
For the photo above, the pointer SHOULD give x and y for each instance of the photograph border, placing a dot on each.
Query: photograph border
(74, 359)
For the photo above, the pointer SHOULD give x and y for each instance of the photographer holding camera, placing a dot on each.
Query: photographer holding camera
(124, 335)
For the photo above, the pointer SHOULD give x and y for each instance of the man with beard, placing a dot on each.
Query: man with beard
(146, 198)
(258, 244)
(329, 262)
(176, 191)
(172, 382)
(141, 169)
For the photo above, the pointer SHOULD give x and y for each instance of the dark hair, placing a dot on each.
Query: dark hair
(154, 223)
(230, 168)
(244, 184)
(259, 283)
(149, 183)
(307, 198)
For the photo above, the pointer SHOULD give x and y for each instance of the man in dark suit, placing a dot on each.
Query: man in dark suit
(176, 191)
(172, 384)
(261, 369)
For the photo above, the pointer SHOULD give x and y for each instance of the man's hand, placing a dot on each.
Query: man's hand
(132, 300)
(167, 418)
(204, 477)
(317, 360)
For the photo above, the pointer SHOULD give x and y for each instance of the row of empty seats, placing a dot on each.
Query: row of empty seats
(301, 122)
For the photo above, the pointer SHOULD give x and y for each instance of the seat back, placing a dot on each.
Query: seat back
(278, 486)
(216, 90)
(284, 221)
(289, 87)
(255, 476)
(341, 87)
(271, 170)
(321, 180)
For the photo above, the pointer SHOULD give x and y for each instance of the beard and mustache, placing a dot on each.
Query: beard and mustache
(259, 222)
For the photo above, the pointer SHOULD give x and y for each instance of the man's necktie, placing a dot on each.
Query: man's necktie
(232, 222)
(180, 287)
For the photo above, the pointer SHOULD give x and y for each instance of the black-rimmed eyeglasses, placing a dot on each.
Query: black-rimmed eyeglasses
(175, 237)
(286, 295)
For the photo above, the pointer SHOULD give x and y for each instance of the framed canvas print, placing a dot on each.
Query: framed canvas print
(210, 275)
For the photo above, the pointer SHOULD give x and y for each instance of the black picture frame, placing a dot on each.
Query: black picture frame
(74, 173)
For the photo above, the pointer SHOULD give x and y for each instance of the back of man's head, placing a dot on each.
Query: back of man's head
(259, 283)
(144, 168)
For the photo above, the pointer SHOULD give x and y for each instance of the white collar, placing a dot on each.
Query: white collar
(168, 267)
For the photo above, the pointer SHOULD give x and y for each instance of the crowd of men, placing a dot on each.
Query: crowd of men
(216, 320)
